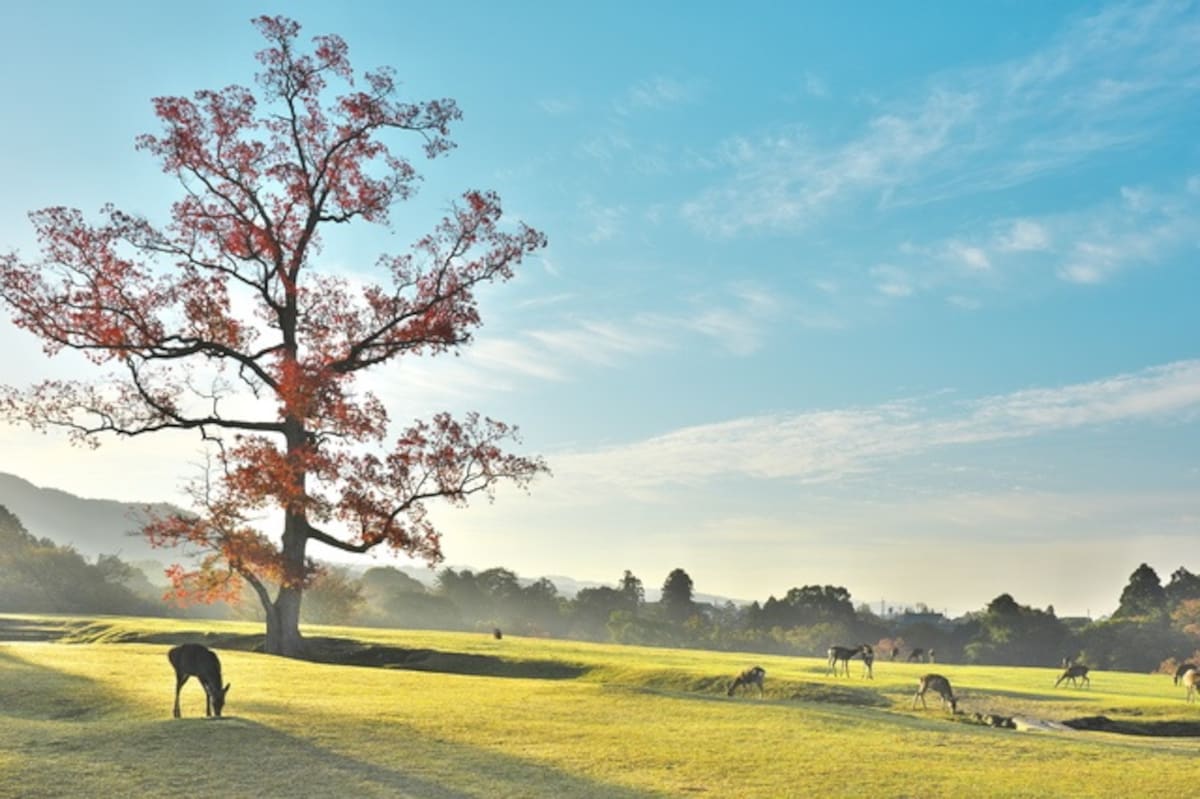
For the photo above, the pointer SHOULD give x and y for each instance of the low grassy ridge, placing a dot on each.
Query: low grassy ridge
(85, 710)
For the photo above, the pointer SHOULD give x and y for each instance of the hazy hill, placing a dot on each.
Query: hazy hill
(108, 527)
(91, 526)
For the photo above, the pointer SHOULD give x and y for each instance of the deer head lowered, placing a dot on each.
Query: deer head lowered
(194, 660)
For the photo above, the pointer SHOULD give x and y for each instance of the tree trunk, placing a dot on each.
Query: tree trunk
(283, 624)
(283, 620)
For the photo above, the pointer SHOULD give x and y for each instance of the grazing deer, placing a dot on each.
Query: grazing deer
(940, 686)
(751, 676)
(917, 654)
(194, 660)
(844, 654)
(1075, 672)
(868, 656)
(1191, 680)
(1183, 669)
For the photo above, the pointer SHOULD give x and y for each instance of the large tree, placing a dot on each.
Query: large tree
(676, 598)
(220, 322)
(1143, 596)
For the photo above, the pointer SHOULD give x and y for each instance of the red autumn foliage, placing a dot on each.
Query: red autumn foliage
(220, 322)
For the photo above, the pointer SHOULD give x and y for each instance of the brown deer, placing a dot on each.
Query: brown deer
(1191, 680)
(1183, 669)
(1075, 672)
(844, 654)
(940, 686)
(917, 655)
(751, 676)
(194, 660)
(868, 656)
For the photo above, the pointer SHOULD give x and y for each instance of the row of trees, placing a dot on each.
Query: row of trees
(1154, 626)
(38, 576)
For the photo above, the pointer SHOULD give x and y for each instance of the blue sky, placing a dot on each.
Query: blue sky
(901, 298)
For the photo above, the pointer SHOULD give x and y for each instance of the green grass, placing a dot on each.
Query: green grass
(475, 717)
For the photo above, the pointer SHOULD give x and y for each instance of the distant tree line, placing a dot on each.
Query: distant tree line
(38, 576)
(1154, 627)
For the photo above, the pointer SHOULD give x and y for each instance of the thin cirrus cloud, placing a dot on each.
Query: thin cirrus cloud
(1138, 227)
(782, 180)
(736, 324)
(1103, 83)
(658, 92)
(826, 446)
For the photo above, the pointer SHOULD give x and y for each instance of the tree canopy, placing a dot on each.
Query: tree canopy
(221, 322)
(1143, 596)
(677, 595)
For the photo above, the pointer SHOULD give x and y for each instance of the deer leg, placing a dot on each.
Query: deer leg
(179, 681)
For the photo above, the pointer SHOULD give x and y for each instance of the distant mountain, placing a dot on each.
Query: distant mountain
(107, 527)
(92, 526)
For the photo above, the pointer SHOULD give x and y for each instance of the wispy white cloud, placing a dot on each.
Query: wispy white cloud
(602, 343)
(965, 303)
(1102, 84)
(1137, 226)
(607, 146)
(814, 86)
(785, 179)
(892, 281)
(973, 258)
(826, 446)
(557, 106)
(606, 222)
(659, 92)
(1024, 235)
(735, 320)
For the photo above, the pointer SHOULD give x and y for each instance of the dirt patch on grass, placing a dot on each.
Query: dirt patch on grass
(1164, 729)
(348, 652)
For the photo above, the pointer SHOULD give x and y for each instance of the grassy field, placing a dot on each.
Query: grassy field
(468, 716)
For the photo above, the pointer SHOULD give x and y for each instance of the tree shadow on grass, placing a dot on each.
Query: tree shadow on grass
(234, 756)
(351, 652)
(256, 760)
(33, 691)
(98, 748)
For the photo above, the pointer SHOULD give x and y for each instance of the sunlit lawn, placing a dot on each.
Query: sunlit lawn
(94, 719)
